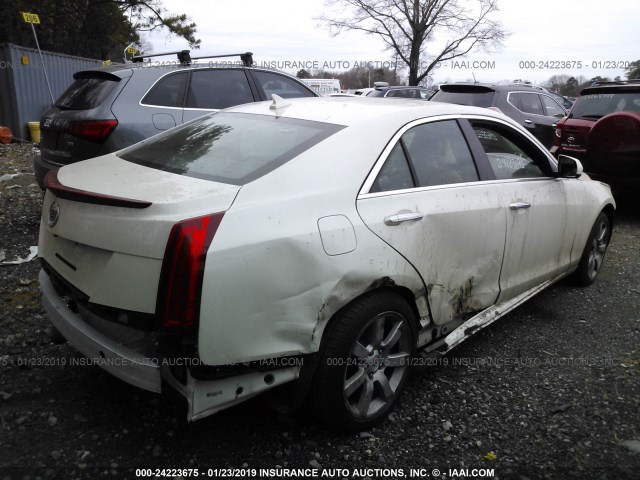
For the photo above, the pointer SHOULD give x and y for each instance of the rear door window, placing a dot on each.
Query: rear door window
(269, 83)
(528, 103)
(233, 148)
(395, 174)
(218, 89)
(168, 91)
(87, 92)
(439, 154)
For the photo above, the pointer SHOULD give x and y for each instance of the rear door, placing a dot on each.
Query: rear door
(426, 201)
(162, 105)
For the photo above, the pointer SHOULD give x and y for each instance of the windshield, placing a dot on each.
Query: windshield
(234, 148)
(86, 93)
(597, 105)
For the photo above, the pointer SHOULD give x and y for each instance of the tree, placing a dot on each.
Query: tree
(407, 26)
(633, 71)
(557, 82)
(149, 15)
(302, 73)
(90, 28)
(571, 87)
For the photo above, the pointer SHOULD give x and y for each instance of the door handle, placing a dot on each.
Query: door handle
(519, 205)
(397, 219)
(528, 121)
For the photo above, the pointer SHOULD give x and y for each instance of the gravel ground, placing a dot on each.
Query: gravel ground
(552, 391)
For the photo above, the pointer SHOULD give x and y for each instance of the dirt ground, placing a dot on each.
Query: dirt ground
(552, 391)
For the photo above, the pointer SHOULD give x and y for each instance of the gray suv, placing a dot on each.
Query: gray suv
(109, 108)
(534, 109)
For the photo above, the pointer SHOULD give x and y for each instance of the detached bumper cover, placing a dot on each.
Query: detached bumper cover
(117, 359)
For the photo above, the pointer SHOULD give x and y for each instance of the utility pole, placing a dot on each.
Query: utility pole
(34, 19)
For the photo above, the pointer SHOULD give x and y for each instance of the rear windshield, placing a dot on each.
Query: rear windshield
(233, 148)
(474, 97)
(597, 105)
(86, 93)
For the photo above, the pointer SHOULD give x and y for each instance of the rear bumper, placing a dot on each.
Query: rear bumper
(121, 361)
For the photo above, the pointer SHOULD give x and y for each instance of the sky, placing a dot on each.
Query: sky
(548, 37)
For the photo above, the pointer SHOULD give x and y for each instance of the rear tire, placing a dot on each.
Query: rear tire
(365, 362)
(594, 251)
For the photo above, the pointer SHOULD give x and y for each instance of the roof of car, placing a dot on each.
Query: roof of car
(490, 86)
(611, 87)
(350, 111)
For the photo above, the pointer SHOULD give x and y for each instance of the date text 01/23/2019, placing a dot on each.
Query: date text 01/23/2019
(573, 64)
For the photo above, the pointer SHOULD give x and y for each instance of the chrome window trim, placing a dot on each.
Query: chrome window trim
(373, 174)
(480, 183)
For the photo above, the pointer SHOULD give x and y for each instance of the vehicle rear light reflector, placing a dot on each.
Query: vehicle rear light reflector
(94, 130)
(52, 183)
(181, 277)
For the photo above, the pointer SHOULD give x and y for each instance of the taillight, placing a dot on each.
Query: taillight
(180, 289)
(94, 130)
(559, 132)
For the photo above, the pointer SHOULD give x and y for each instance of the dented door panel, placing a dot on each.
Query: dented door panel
(457, 246)
(539, 237)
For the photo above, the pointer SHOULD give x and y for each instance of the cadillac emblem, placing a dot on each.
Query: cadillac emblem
(54, 213)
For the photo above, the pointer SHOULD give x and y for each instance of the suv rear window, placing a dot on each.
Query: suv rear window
(465, 95)
(234, 148)
(87, 92)
(593, 106)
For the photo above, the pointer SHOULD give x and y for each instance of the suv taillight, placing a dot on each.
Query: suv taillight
(94, 130)
(180, 288)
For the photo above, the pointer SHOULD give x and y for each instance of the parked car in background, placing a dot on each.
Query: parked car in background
(315, 243)
(416, 93)
(603, 131)
(534, 109)
(566, 102)
(106, 109)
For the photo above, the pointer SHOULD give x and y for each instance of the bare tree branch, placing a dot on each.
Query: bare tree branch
(408, 26)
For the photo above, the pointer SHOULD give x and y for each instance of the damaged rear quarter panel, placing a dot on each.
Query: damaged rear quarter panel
(270, 287)
(274, 296)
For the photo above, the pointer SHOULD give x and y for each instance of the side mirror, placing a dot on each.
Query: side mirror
(569, 167)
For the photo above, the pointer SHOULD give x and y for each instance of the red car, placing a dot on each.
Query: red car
(603, 132)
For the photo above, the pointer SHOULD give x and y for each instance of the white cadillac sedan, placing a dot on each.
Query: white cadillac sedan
(317, 245)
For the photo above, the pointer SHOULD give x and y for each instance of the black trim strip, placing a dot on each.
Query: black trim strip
(52, 183)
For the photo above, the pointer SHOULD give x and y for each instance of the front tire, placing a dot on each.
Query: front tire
(365, 362)
(594, 251)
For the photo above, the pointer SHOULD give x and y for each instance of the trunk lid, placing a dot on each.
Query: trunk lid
(113, 254)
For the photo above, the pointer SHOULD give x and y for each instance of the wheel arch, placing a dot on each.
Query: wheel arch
(385, 285)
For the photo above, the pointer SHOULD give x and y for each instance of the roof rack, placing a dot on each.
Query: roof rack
(184, 57)
(616, 82)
